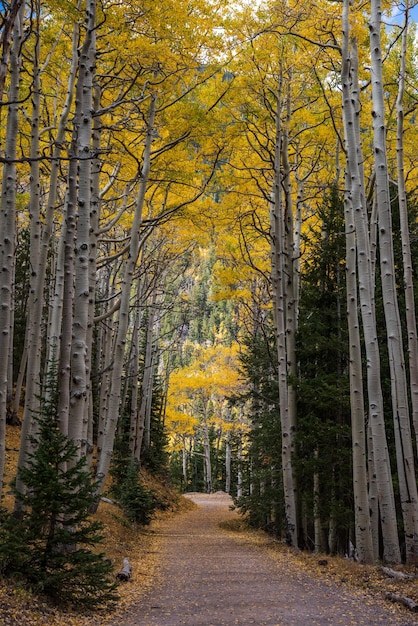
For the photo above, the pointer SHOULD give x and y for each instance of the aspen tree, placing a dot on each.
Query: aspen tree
(281, 221)
(403, 439)
(123, 314)
(150, 362)
(82, 136)
(40, 245)
(134, 370)
(411, 323)
(8, 23)
(95, 211)
(206, 449)
(363, 528)
(54, 326)
(36, 295)
(366, 292)
(363, 534)
(144, 414)
(8, 228)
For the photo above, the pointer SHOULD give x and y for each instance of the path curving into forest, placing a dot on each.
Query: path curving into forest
(210, 576)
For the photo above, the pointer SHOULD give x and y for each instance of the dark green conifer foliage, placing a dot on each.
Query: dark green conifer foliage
(137, 502)
(21, 296)
(262, 499)
(155, 459)
(52, 546)
(324, 433)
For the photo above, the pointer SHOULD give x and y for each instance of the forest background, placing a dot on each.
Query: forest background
(208, 245)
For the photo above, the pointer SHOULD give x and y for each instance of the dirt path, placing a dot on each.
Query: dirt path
(212, 577)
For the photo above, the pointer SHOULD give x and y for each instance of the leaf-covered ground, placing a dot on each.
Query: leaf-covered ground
(19, 607)
(216, 572)
(146, 598)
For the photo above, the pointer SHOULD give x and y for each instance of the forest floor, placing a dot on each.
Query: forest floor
(214, 571)
(198, 564)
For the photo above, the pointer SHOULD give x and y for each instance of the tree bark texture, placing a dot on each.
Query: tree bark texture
(400, 405)
(8, 230)
(366, 292)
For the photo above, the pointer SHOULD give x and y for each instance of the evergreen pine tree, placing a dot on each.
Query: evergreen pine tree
(262, 498)
(137, 502)
(51, 546)
(324, 433)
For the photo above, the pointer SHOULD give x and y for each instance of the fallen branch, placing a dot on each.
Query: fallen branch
(125, 572)
(103, 499)
(408, 602)
(394, 574)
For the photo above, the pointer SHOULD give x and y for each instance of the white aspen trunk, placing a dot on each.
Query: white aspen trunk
(128, 272)
(134, 372)
(154, 338)
(206, 456)
(404, 225)
(107, 351)
(279, 222)
(8, 230)
(11, 340)
(184, 456)
(143, 430)
(239, 459)
(148, 412)
(64, 363)
(363, 535)
(373, 497)
(82, 138)
(95, 211)
(54, 328)
(403, 438)
(56, 302)
(36, 300)
(228, 463)
(5, 40)
(366, 291)
(20, 378)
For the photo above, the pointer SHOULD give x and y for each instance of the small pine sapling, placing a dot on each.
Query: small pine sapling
(50, 545)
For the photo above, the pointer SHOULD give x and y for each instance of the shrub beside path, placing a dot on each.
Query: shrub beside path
(212, 576)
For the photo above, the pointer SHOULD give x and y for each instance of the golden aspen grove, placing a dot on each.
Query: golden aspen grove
(209, 257)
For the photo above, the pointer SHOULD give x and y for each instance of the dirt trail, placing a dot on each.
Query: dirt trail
(211, 577)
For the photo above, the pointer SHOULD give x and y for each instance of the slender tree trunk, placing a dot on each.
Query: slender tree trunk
(403, 439)
(206, 456)
(8, 230)
(366, 291)
(6, 40)
(364, 544)
(143, 434)
(95, 211)
(279, 227)
(82, 138)
(184, 457)
(228, 463)
(54, 329)
(373, 495)
(134, 372)
(411, 323)
(152, 367)
(115, 390)
(36, 300)
(64, 362)
(240, 460)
